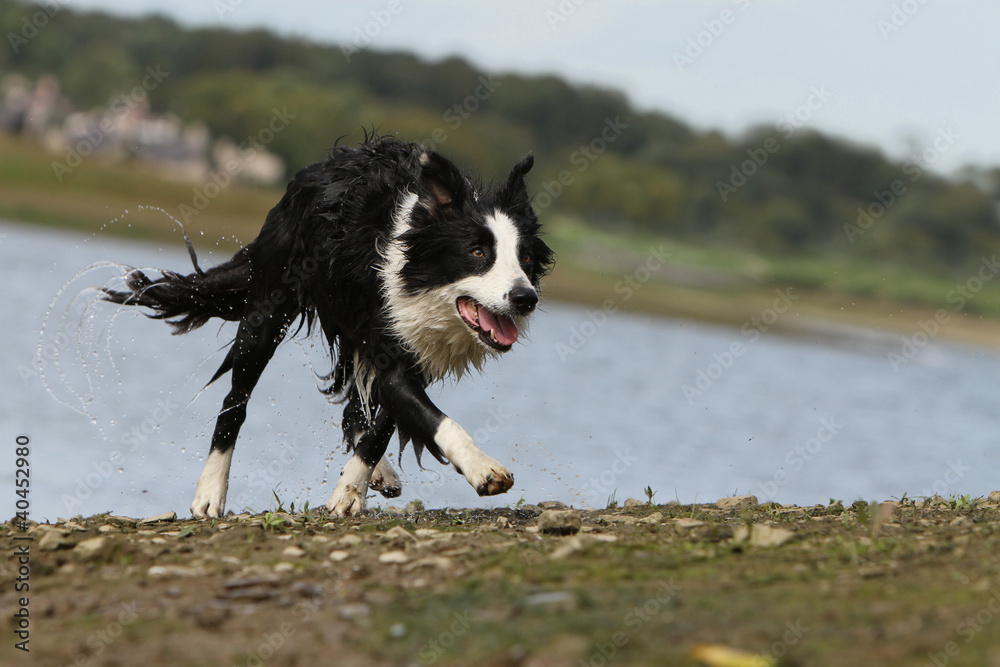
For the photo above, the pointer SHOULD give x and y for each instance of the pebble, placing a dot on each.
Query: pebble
(53, 539)
(338, 555)
(736, 502)
(427, 532)
(632, 502)
(91, 548)
(559, 522)
(619, 518)
(283, 566)
(166, 516)
(552, 505)
(349, 540)
(393, 557)
(399, 533)
(688, 523)
(762, 535)
(174, 571)
(655, 517)
(293, 552)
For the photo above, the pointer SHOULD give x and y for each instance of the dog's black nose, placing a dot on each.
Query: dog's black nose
(523, 298)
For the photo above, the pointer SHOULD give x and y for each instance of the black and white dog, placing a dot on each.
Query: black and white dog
(413, 273)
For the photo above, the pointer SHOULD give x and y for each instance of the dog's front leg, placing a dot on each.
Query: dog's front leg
(348, 497)
(418, 417)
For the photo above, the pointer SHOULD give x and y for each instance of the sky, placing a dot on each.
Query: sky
(917, 78)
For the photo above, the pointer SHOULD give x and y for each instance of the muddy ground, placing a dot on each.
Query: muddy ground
(734, 583)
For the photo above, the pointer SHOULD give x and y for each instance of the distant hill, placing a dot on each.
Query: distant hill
(776, 190)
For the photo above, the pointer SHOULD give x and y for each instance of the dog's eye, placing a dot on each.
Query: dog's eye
(478, 252)
(526, 259)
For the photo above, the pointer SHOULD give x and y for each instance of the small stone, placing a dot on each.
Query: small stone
(551, 598)
(338, 555)
(737, 503)
(166, 516)
(655, 517)
(427, 532)
(53, 539)
(352, 611)
(560, 522)
(393, 557)
(283, 567)
(632, 502)
(762, 535)
(349, 540)
(568, 547)
(502, 522)
(108, 528)
(436, 562)
(619, 518)
(397, 630)
(293, 552)
(994, 497)
(91, 548)
(72, 525)
(552, 505)
(174, 571)
(686, 524)
(399, 533)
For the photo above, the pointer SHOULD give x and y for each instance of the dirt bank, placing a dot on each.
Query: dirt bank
(898, 583)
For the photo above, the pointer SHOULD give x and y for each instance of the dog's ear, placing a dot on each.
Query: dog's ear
(442, 185)
(513, 193)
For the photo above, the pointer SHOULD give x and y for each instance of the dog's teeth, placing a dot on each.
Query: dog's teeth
(493, 335)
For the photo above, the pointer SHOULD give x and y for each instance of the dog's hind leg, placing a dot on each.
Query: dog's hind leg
(252, 349)
(385, 480)
(349, 495)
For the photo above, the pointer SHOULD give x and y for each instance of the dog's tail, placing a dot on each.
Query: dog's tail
(189, 301)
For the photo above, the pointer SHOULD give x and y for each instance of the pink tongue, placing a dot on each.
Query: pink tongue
(502, 326)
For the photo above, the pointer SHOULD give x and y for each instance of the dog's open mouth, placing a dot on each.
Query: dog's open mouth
(497, 331)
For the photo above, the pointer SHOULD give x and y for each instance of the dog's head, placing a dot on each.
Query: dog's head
(473, 260)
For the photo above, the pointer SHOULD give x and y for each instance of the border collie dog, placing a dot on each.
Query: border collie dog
(412, 271)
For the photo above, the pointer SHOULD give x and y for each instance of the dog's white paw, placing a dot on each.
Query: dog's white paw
(487, 476)
(213, 485)
(346, 501)
(348, 497)
(385, 480)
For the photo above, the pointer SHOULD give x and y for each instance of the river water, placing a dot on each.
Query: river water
(591, 406)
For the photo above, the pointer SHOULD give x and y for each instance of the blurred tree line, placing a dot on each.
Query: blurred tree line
(598, 158)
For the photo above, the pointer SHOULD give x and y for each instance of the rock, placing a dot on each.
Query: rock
(687, 524)
(560, 522)
(436, 562)
(632, 502)
(552, 505)
(393, 557)
(356, 610)
(399, 533)
(53, 539)
(619, 518)
(338, 555)
(174, 571)
(994, 497)
(166, 516)
(502, 522)
(551, 598)
(427, 532)
(533, 509)
(293, 552)
(91, 549)
(737, 503)
(108, 528)
(568, 547)
(762, 535)
(72, 525)
(349, 540)
(283, 567)
(655, 517)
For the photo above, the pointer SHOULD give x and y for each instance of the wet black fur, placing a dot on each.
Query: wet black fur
(315, 262)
